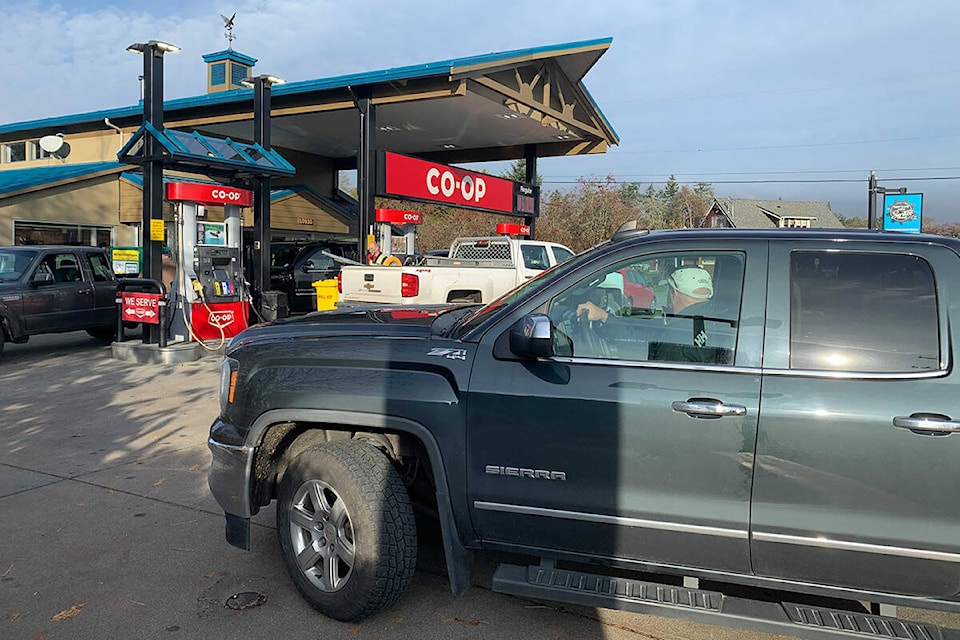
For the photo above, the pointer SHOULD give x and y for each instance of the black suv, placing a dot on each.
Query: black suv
(294, 268)
(52, 289)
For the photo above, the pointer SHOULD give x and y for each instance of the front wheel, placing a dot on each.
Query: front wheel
(346, 529)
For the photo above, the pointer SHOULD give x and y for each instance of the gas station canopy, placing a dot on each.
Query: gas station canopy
(480, 108)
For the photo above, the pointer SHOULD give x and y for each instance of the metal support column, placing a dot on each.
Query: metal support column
(530, 160)
(152, 52)
(261, 189)
(872, 201)
(366, 166)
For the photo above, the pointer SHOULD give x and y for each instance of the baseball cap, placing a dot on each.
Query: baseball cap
(692, 281)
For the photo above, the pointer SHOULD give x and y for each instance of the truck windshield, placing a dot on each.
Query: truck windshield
(14, 263)
(471, 322)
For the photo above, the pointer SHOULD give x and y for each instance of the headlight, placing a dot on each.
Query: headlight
(228, 382)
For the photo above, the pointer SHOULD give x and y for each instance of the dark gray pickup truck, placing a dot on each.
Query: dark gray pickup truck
(52, 289)
(770, 444)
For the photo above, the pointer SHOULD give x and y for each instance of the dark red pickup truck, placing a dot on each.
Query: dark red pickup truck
(51, 289)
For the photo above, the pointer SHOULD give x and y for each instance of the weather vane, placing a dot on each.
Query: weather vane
(228, 23)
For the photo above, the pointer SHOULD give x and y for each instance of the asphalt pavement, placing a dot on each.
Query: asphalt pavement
(108, 529)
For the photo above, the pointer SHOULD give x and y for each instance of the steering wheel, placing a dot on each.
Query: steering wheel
(586, 341)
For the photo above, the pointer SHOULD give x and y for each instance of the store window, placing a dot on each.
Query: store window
(14, 152)
(33, 233)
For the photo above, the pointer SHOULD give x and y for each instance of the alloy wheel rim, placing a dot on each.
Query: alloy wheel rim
(321, 531)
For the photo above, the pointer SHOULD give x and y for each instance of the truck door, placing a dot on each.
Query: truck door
(57, 298)
(104, 290)
(858, 351)
(626, 445)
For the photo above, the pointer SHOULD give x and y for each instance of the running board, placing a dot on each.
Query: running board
(709, 607)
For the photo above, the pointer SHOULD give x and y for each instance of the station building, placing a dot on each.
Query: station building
(526, 103)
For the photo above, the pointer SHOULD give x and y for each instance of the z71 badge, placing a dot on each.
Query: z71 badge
(452, 354)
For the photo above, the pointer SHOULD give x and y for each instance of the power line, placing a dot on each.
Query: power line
(790, 181)
(803, 145)
(779, 173)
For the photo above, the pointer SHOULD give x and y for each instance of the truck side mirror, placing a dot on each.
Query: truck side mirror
(307, 266)
(532, 336)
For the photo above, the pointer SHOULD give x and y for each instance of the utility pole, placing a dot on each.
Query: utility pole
(872, 202)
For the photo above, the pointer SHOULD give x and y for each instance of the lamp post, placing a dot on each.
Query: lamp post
(872, 190)
(261, 192)
(152, 238)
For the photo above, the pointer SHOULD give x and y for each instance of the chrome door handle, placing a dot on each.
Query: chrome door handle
(84, 290)
(927, 425)
(708, 408)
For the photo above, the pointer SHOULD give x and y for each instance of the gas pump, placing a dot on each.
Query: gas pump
(209, 299)
(407, 221)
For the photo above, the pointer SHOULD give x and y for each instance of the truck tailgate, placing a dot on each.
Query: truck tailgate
(371, 284)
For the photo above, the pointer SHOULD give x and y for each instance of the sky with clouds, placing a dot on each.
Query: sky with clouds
(793, 100)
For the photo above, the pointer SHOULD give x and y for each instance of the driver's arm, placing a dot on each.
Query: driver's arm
(590, 311)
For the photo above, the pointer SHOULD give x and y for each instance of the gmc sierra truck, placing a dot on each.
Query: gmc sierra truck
(781, 456)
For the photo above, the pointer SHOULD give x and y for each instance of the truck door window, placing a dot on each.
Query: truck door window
(63, 266)
(534, 256)
(641, 320)
(98, 266)
(862, 312)
(561, 254)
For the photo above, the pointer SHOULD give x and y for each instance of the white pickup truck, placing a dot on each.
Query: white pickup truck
(476, 270)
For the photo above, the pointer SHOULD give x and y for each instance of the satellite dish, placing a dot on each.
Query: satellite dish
(51, 144)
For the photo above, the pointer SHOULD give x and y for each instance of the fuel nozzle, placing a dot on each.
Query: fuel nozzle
(198, 288)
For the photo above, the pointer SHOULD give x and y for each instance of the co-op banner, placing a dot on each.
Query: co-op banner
(408, 178)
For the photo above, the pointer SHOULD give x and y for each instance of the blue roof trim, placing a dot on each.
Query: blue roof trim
(442, 67)
(19, 179)
(606, 123)
(229, 54)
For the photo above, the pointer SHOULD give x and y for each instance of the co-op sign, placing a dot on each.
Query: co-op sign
(409, 178)
(208, 194)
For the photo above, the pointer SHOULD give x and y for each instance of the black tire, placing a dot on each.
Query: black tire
(103, 334)
(3, 337)
(344, 509)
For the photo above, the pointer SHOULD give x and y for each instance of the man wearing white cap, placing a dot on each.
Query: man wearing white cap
(689, 286)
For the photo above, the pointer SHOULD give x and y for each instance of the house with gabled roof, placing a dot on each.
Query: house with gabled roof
(765, 214)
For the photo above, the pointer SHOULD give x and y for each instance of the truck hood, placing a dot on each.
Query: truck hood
(372, 320)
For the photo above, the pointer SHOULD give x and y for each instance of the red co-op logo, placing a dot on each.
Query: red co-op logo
(222, 319)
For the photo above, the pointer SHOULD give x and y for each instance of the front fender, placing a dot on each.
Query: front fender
(12, 321)
(459, 559)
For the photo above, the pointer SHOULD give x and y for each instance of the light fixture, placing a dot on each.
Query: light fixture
(164, 47)
(266, 78)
